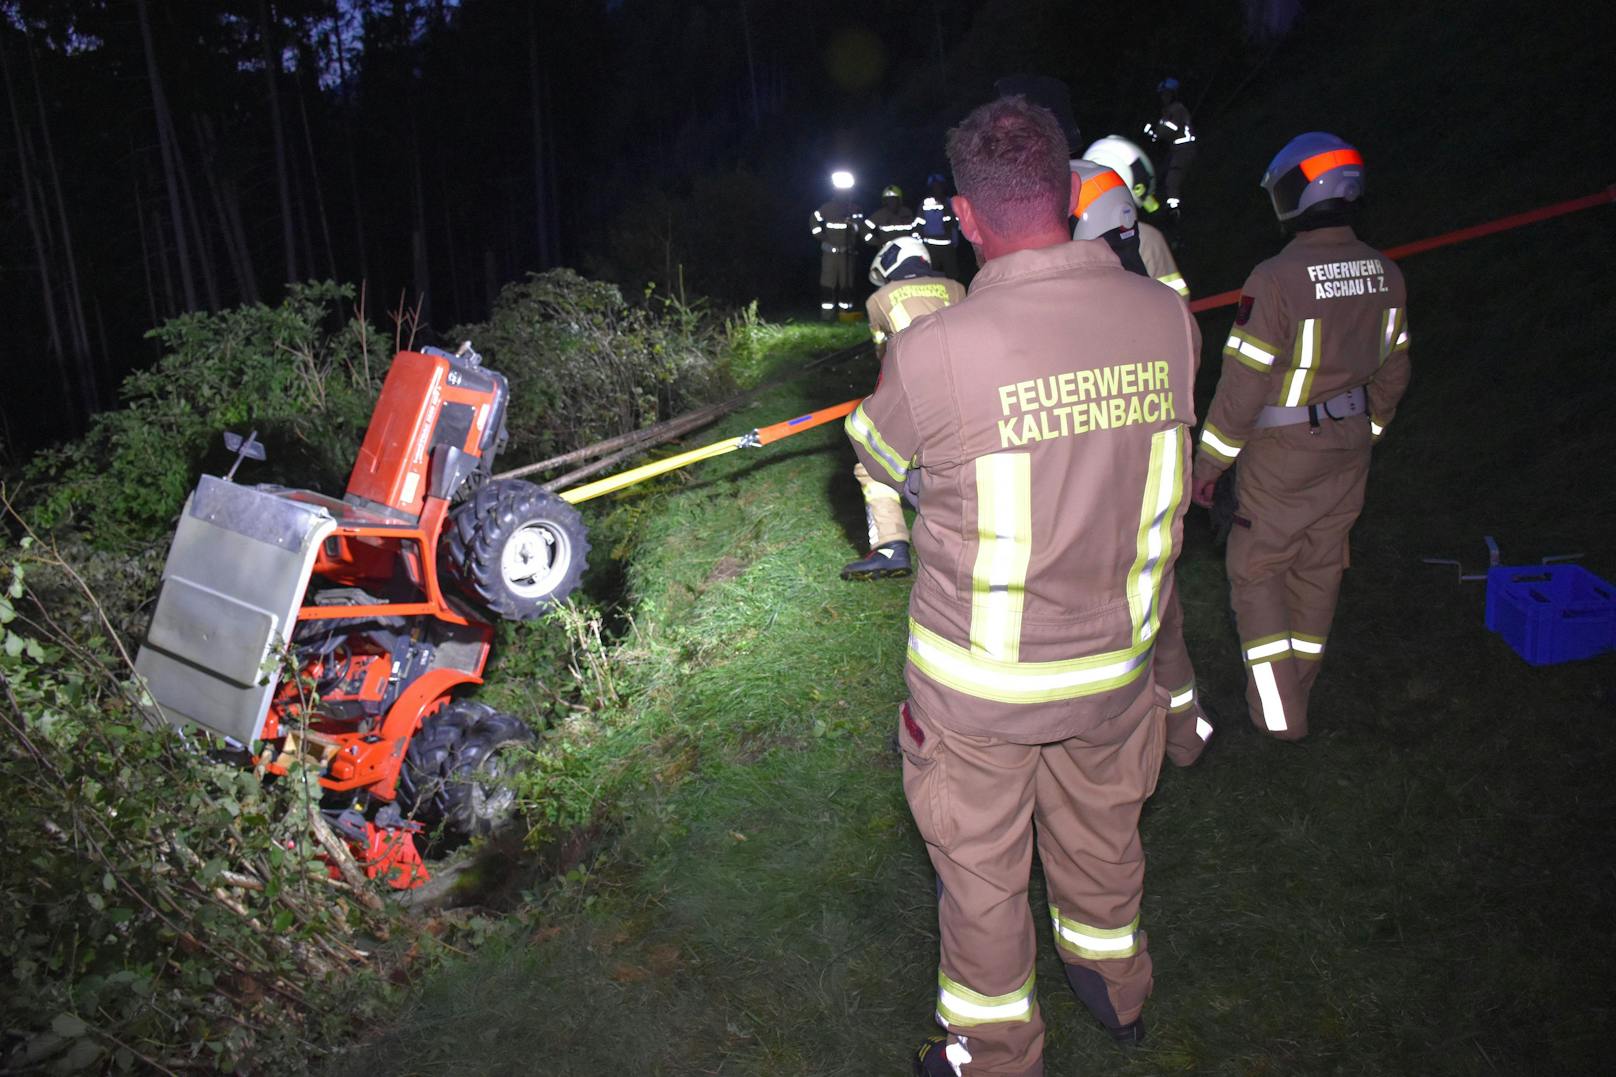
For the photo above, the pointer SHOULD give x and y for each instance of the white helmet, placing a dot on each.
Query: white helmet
(894, 254)
(1131, 163)
(1103, 202)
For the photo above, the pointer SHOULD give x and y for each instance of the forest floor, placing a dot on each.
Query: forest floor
(1417, 888)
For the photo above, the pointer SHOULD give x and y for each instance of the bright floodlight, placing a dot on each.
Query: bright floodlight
(842, 180)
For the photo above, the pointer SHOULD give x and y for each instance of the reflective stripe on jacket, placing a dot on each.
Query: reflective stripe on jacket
(1327, 314)
(1045, 421)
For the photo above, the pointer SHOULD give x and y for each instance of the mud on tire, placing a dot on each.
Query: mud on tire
(452, 770)
(515, 548)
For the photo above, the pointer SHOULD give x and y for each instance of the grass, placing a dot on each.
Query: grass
(1420, 887)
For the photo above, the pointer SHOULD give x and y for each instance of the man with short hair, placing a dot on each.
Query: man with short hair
(1043, 426)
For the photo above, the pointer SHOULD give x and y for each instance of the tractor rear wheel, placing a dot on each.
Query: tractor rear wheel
(453, 768)
(516, 548)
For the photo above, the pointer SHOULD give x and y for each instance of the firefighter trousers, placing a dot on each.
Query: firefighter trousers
(981, 803)
(883, 510)
(1300, 490)
(1188, 728)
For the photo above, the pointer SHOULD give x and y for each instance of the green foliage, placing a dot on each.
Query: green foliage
(301, 373)
(584, 364)
(163, 911)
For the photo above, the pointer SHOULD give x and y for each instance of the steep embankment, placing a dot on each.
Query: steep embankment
(1415, 889)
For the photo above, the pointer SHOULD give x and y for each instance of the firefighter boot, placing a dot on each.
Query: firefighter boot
(934, 1060)
(889, 559)
(1090, 990)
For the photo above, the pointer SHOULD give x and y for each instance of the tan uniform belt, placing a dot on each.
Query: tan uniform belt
(1341, 406)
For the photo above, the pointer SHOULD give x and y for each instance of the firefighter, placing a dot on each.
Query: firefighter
(1105, 210)
(937, 228)
(1042, 424)
(1312, 374)
(906, 287)
(1174, 134)
(892, 220)
(1133, 164)
(837, 226)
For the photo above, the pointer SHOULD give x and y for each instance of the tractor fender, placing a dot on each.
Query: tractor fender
(428, 692)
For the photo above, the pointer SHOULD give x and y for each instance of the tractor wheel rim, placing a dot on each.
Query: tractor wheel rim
(491, 799)
(535, 560)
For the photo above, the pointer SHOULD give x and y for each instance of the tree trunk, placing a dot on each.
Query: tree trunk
(541, 211)
(41, 254)
(145, 255)
(314, 179)
(751, 66)
(79, 334)
(348, 144)
(272, 66)
(165, 143)
(235, 247)
(455, 294)
(204, 257)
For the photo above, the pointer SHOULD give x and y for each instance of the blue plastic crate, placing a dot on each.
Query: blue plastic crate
(1551, 613)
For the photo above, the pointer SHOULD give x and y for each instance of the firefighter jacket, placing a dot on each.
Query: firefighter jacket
(885, 225)
(1159, 261)
(1043, 422)
(1173, 128)
(837, 225)
(936, 224)
(1326, 315)
(897, 303)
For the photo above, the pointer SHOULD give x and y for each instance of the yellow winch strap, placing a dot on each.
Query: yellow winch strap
(616, 482)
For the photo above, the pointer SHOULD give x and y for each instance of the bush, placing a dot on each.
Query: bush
(585, 365)
(162, 911)
(300, 373)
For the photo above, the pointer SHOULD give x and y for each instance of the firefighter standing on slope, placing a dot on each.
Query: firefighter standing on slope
(892, 221)
(1044, 423)
(906, 287)
(1105, 210)
(1312, 374)
(1133, 165)
(937, 228)
(837, 226)
(1172, 131)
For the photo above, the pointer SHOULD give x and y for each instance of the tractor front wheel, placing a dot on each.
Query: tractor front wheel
(453, 770)
(516, 548)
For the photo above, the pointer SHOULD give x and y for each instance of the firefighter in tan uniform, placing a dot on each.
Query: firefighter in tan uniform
(906, 287)
(1106, 210)
(893, 220)
(837, 226)
(1133, 165)
(1174, 132)
(1043, 423)
(1312, 374)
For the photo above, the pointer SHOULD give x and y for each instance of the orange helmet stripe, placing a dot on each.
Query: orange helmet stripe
(1094, 188)
(1317, 165)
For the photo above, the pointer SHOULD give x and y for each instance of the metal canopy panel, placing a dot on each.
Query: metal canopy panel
(235, 577)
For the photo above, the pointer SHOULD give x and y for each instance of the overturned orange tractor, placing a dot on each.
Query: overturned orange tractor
(347, 632)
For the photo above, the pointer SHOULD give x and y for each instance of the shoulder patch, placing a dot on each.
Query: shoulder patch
(1243, 314)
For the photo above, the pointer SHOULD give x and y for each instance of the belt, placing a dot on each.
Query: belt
(1347, 405)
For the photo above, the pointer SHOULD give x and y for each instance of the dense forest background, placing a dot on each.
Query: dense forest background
(162, 156)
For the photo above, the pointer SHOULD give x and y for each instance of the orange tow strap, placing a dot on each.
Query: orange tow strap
(1447, 239)
(775, 431)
